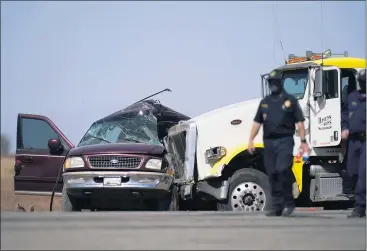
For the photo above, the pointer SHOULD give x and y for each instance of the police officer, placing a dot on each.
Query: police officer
(354, 129)
(349, 180)
(279, 112)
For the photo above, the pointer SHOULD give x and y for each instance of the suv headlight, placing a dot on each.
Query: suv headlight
(155, 164)
(73, 162)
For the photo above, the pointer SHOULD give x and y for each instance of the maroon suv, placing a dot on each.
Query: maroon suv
(119, 163)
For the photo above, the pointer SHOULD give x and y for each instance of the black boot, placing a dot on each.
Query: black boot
(287, 211)
(348, 185)
(274, 212)
(357, 214)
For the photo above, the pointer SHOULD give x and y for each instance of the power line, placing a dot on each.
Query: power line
(322, 37)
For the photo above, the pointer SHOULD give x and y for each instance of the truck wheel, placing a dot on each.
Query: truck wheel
(249, 190)
(66, 205)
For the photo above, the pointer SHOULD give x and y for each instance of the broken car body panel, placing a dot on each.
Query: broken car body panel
(137, 148)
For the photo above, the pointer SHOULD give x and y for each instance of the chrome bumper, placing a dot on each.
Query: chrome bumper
(129, 180)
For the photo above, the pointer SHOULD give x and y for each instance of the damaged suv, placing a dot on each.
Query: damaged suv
(120, 163)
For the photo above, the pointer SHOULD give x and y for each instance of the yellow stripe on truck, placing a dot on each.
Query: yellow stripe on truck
(233, 153)
(343, 63)
(296, 168)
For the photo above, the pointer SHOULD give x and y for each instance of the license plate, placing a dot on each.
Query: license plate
(112, 181)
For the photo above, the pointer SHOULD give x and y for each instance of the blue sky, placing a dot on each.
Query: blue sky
(76, 62)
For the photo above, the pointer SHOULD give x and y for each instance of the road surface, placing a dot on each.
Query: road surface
(325, 230)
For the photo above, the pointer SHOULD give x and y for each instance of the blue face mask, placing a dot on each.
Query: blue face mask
(274, 88)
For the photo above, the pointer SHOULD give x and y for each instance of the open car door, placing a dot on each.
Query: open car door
(325, 114)
(35, 169)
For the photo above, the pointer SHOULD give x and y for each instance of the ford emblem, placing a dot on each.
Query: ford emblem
(114, 161)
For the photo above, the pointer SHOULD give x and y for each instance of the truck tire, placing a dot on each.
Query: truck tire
(249, 190)
(66, 205)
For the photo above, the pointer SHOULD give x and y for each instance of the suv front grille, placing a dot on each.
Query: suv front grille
(109, 161)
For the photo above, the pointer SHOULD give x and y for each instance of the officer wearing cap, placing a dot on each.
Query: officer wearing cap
(354, 129)
(278, 113)
(349, 181)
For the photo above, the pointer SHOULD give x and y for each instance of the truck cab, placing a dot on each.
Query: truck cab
(212, 147)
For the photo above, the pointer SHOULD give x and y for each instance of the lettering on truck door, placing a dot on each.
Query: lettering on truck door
(325, 112)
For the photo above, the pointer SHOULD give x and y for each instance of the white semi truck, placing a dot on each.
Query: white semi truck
(210, 151)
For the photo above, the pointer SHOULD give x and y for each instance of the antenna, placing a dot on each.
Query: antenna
(322, 40)
(277, 29)
(165, 90)
(274, 47)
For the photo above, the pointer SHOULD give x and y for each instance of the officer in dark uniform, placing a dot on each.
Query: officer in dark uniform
(349, 180)
(354, 129)
(279, 112)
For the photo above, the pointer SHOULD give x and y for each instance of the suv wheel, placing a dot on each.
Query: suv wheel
(66, 204)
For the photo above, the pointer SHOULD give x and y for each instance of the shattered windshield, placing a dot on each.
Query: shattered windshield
(137, 127)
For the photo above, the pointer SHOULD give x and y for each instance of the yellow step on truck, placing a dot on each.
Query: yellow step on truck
(210, 154)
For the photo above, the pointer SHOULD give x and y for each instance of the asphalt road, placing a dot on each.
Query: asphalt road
(323, 230)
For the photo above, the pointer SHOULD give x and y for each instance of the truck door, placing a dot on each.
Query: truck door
(35, 169)
(325, 112)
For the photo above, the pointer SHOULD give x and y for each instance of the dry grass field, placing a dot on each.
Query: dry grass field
(9, 201)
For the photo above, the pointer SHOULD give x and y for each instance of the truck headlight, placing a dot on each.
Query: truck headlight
(73, 162)
(155, 164)
(215, 153)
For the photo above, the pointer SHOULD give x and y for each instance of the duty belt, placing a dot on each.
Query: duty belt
(358, 136)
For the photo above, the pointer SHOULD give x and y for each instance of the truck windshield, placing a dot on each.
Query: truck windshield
(138, 128)
(295, 82)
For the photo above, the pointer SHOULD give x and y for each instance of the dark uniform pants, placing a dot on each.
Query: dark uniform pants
(349, 178)
(356, 165)
(278, 160)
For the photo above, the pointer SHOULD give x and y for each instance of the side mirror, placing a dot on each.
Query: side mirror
(55, 146)
(318, 90)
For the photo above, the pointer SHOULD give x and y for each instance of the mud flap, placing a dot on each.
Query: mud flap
(297, 169)
(218, 191)
(295, 190)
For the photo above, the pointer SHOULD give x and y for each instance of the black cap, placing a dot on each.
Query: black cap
(275, 75)
(362, 76)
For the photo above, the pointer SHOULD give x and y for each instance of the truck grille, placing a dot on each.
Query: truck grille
(114, 161)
